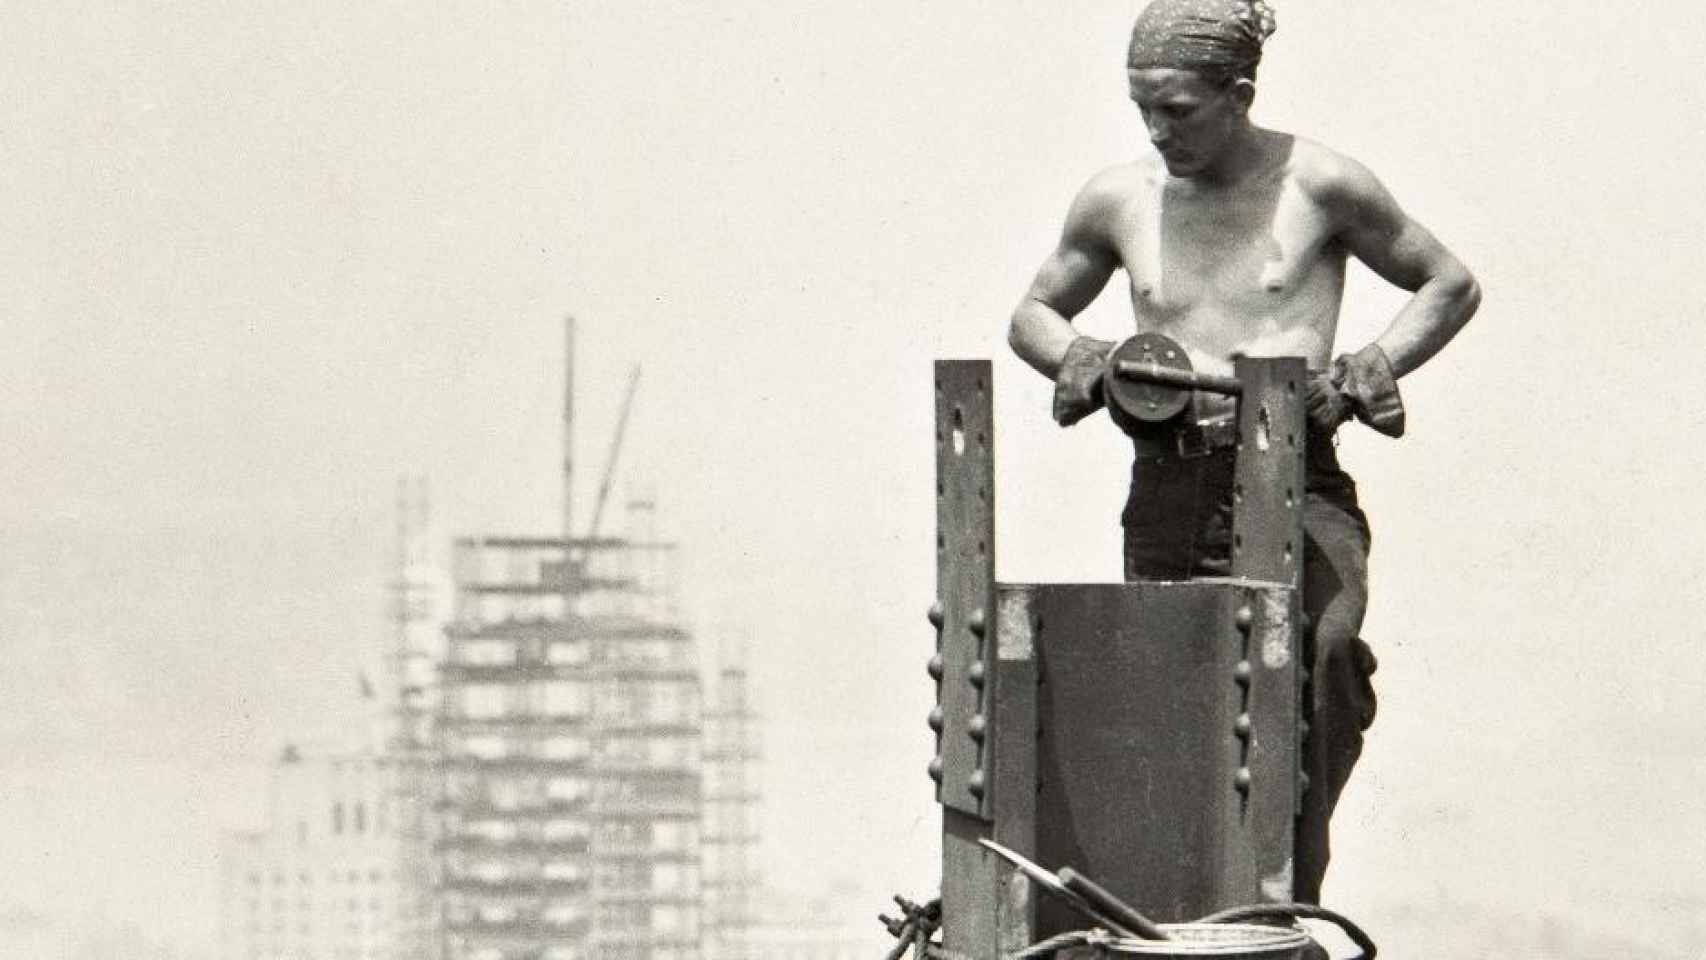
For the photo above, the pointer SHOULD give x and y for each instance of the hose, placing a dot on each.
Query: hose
(1285, 912)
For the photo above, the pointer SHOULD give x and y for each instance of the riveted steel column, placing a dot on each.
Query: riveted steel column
(964, 665)
(1267, 519)
(1267, 545)
(1269, 771)
(965, 584)
(1014, 764)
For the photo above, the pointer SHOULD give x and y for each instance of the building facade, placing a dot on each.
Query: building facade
(321, 880)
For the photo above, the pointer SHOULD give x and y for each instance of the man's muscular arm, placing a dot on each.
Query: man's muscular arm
(1072, 276)
(1376, 231)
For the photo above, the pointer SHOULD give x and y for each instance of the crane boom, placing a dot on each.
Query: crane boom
(615, 452)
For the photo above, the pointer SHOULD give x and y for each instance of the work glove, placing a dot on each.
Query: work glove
(1078, 386)
(1357, 385)
(1324, 404)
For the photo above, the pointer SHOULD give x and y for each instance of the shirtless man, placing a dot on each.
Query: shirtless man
(1234, 240)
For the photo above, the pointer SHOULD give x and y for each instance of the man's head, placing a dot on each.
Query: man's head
(1192, 71)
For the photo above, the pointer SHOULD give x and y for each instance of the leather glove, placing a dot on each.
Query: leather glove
(1078, 386)
(1325, 404)
(1366, 378)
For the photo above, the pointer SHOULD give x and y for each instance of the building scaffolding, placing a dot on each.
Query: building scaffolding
(569, 744)
(409, 735)
(569, 740)
(731, 821)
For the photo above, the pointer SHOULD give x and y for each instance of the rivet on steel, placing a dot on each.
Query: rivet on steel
(1244, 617)
(1241, 673)
(975, 622)
(974, 783)
(974, 673)
(1241, 780)
(936, 769)
(936, 718)
(935, 666)
(1241, 726)
(977, 726)
(936, 615)
(1303, 781)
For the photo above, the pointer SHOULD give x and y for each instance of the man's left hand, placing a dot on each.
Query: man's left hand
(1365, 377)
(1326, 405)
(1358, 385)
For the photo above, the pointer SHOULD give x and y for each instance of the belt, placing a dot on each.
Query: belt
(1186, 440)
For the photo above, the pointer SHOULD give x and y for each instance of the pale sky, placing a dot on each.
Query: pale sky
(258, 259)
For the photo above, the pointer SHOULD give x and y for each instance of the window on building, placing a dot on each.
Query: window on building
(338, 817)
(360, 817)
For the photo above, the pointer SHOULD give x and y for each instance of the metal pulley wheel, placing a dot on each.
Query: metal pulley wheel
(1133, 399)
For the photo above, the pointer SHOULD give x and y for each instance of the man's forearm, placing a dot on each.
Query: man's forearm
(1438, 309)
(1040, 336)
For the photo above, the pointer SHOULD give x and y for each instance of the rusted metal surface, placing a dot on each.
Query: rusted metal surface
(971, 887)
(1015, 766)
(1267, 529)
(1267, 518)
(1138, 743)
(1271, 733)
(1135, 751)
(964, 662)
(965, 583)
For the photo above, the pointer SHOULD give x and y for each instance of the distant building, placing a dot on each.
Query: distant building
(730, 836)
(569, 752)
(320, 880)
(547, 783)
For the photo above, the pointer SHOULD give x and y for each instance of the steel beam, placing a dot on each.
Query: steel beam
(964, 662)
(1267, 516)
(965, 585)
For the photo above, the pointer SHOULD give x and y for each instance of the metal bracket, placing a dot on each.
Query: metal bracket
(965, 587)
(1267, 516)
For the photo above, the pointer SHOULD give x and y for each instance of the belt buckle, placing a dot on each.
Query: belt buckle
(1192, 442)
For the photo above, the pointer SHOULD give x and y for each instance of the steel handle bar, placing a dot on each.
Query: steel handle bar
(1151, 372)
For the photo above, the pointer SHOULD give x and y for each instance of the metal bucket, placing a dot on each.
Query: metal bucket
(1245, 941)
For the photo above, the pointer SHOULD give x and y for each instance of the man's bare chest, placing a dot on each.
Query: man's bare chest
(1251, 252)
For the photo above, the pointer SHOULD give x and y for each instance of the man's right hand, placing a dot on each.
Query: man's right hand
(1078, 385)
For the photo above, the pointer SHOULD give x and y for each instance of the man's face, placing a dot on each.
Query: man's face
(1191, 120)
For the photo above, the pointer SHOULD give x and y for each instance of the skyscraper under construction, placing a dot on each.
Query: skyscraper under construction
(571, 800)
(570, 760)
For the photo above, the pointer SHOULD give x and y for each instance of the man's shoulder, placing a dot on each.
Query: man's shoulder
(1123, 178)
(1325, 174)
(1112, 191)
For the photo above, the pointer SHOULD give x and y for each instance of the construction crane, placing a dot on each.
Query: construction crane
(615, 453)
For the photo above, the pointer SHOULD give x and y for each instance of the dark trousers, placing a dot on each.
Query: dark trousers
(1178, 524)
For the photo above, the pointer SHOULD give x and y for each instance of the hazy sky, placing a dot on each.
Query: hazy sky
(260, 258)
